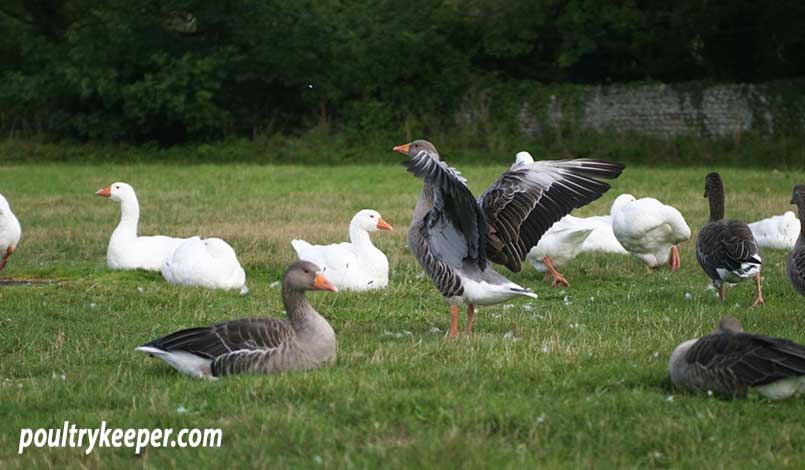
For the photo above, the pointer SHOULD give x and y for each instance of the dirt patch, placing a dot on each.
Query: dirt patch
(26, 282)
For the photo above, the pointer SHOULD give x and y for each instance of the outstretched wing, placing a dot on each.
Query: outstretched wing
(454, 228)
(528, 198)
(746, 359)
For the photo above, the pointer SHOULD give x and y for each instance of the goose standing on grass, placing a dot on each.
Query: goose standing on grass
(210, 263)
(10, 232)
(650, 230)
(603, 239)
(778, 232)
(725, 248)
(796, 259)
(357, 265)
(126, 250)
(558, 246)
(728, 362)
(257, 345)
(453, 235)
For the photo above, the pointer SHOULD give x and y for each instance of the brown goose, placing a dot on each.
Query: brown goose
(453, 236)
(726, 248)
(728, 362)
(257, 345)
(796, 259)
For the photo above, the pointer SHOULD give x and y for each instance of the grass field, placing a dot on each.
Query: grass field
(576, 378)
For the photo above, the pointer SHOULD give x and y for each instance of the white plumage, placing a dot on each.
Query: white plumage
(778, 232)
(649, 230)
(562, 242)
(354, 265)
(10, 231)
(126, 249)
(210, 263)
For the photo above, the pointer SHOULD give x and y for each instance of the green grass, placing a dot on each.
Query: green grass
(584, 384)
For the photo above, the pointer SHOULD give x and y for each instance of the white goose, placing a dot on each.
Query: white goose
(650, 230)
(779, 232)
(357, 265)
(127, 250)
(210, 263)
(10, 232)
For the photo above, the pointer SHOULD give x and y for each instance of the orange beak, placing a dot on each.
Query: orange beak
(403, 149)
(105, 192)
(383, 225)
(321, 283)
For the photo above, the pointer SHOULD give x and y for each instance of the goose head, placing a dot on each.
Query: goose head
(729, 324)
(413, 148)
(304, 275)
(523, 158)
(219, 249)
(117, 192)
(620, 202)
(369, 220)
(713, 184)
(4, 207)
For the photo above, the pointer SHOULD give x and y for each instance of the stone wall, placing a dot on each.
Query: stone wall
(669, 110)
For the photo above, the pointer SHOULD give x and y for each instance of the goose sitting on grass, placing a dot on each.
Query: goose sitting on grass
(725, 248)
(210, 263)
(257, 345)
(795, 264)
(728, 362)
(778, 232)
(650, 231)
(127, 250)
(10, 232)
(453, 236)
(354, 265)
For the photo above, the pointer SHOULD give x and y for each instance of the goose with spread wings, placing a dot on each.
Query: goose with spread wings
(454, 236)
(728, 362)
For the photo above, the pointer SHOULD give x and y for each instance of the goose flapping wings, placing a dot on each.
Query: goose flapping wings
(453, 235)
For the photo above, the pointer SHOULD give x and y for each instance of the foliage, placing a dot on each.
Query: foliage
(192, 70)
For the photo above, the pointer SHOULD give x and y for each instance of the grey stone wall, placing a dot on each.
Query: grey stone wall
(667, 111)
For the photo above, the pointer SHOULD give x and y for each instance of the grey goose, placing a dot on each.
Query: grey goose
(796, 259)
(728, 362)
(257, 345)
(453, 236)
(725, 248)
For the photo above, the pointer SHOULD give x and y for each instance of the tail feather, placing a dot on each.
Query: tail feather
(300, 246)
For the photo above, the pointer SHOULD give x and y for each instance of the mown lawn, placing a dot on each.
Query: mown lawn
(577, 378)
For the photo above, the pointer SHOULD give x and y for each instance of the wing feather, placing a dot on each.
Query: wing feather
(528, 198)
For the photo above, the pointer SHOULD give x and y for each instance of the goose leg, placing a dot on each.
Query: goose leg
(453, 322)
(557, 276)
(721, 294)
(759, 300)
(5, 258)
(470, 316)
(674, 258)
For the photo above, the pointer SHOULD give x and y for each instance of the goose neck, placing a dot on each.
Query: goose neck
(297, 307)
(715, 197)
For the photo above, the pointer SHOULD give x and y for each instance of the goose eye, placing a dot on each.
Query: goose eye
(117, 187)
(371, 217)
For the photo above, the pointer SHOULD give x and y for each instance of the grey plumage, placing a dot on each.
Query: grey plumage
(795, 264)
(258, 345)
(729, 361)
(453, 235)
(725, 248)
